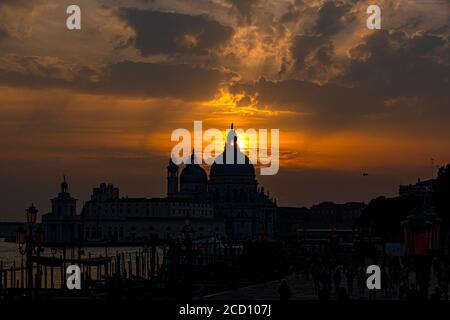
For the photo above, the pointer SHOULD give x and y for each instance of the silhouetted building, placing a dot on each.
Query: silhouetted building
(109, 217)
(249, 212)
(228, 205)
(423, 190)
(63, 224)
(290, 219)
(335, 215)
(323, 216)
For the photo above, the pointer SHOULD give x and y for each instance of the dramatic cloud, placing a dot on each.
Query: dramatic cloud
(328, 105)
(243, 9)
(395, 64)
(312, 56)
(160, 80)
(390, 74)
(16, 2)
(3, 34)
(332, 17)
(123, 78)
(174, 33)
(345, 98)
(16, 16)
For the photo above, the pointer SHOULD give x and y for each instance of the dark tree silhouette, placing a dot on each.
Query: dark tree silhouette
(441, 195)
(383, 217)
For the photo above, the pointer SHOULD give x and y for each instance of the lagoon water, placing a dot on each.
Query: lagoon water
(9, 252)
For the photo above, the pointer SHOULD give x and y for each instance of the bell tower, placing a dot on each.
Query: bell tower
(64, 204)
(172, 179)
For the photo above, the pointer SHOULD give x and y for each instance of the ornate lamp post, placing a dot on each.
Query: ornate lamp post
(187, 232)
(27, 242)
(421, 240)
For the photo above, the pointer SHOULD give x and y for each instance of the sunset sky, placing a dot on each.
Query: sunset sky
(99, 104)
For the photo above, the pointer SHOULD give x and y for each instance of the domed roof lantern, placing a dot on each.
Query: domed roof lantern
(193, 159)
(64, 185)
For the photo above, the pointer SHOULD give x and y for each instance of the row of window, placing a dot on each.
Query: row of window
(118, 232)
(233, 195)
(148, 205)
(184, 212)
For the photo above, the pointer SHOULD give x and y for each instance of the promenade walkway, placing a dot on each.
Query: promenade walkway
(301, 289)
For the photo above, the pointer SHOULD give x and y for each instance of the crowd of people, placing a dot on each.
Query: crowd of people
(344, 280)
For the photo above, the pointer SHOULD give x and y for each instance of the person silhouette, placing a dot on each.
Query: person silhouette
(284, 291)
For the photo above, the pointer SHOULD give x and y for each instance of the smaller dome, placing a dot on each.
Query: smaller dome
(193, 173)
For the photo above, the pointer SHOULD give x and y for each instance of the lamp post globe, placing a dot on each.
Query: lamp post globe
(21, 236)
(32, 214)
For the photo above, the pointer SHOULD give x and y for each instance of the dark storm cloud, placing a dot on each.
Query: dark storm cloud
(383, 70)
(12, 11)
(160, 80)
(292, 14)
(243, 9)
(332, 17)
(396, 64)
(3, 34)
(174, 33)
(16, 2)
(304, 44)
(125, 78)
(312, 54)
(330, 105)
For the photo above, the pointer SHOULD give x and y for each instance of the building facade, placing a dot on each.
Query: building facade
(227, 205)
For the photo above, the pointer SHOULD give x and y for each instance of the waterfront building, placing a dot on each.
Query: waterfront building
(227, 205)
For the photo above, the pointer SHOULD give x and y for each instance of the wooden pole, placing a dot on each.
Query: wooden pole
(21, 274)
(61, 272)
(45, 276)
(14, 274)
(11, 278)
(1, 274)
(5, 278)
(130, 271)
(123, 263)
(137, 264)
(63, 280)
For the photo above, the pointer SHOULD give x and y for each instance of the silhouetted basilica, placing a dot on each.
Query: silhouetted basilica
(227, 205)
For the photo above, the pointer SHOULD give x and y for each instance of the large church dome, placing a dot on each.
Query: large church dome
(222, 168)
(232, 162)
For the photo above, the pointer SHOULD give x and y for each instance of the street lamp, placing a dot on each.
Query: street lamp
(21, 239)
(31, 214)
(39, 236)
(434, 235)
(416, 231)
(187, 232)
(421, 238)
(26, 242)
